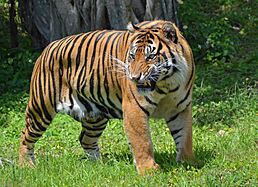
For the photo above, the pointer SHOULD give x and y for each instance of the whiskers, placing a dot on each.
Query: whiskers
(118, 66)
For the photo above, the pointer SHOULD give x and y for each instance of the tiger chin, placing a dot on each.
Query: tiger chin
(144, 72)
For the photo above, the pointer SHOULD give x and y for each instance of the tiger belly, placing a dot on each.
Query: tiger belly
(83, 109)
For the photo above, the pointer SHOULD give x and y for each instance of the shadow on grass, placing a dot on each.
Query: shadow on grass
(166, 160)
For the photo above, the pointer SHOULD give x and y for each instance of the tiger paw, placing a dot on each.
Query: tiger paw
(26, 157)
(148, 168)
(92, 154)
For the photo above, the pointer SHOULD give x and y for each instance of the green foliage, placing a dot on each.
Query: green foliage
(15, 69)
(220, 29)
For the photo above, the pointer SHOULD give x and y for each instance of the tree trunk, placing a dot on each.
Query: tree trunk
(48, 20)
(12, 24)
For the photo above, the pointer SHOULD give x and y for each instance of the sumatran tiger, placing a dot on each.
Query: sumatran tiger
(143, 72)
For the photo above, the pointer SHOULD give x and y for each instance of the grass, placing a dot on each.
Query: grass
(225, 140)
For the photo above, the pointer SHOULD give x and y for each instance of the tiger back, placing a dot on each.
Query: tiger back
(146, 71)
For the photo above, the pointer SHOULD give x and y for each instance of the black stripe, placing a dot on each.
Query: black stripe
(99, 94)
(82, 79)
(173, 118)
(100, 35)
(161, 40)
(61, 57)
(159, 90)
(92, 85)
(54, 87)
(34, 135)
(78, 62)
(85, 103)
(70, 95)
(85, 61)
(108, 98)
(93, 135)
(137, 102)
(33, 125)
(43, 79)
(69, 57)
(116, 55)
(175, 70)
(174, 89)
(188, 104)
(179, 136)
(186, 96)
(66, 45)
(80, 76)
(40, 93)
(105, 48)
(81, 135)
(93, 145)
(52, 74)
(150, 101)
(49, 90)
(191, 75)
(42, 103)
(36, 108)
(37, 124)
(172, 56)
(119, 98)
(165, 56)
(159, 48)
(29, 141)
(106, 85)
(125, 38)
(98, 125)
(174, 132)
(101, 108)
(116, 39)
(95, 128)
(78, 56)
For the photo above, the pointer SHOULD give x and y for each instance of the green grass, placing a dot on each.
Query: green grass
(224, 133)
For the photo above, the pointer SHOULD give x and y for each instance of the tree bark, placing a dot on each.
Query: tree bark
(12, 24)
(48, 20)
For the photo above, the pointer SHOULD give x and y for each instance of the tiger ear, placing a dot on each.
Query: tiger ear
(132, 28)
(170, 32)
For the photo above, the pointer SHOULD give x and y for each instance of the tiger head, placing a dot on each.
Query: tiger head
(152, 54)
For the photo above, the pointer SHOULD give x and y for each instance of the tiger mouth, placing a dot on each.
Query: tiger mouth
(146, 86)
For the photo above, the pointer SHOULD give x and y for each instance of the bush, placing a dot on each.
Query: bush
(219, 30)
(15, 69)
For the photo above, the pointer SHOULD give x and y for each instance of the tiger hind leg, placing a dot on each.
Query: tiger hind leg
(89, 137)
(35, 127)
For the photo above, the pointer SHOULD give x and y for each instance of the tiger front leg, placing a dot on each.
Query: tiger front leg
(180, 126)
(137, 131)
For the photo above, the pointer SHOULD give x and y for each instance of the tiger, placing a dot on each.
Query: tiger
(146, 71)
